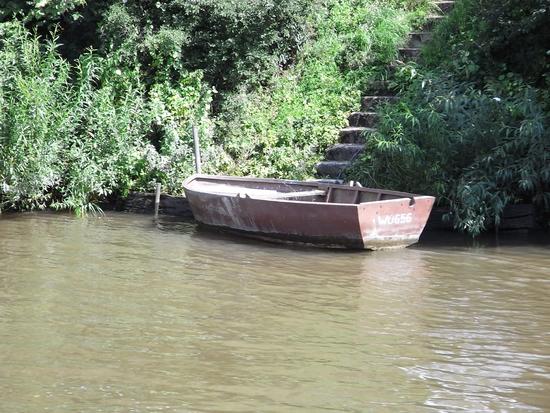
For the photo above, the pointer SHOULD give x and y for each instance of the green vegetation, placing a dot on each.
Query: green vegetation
(97, 98)
(268, 85)
(472, 126)
(283, 130)
(73, 133)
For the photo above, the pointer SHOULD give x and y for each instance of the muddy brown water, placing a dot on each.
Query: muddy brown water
(122, 314)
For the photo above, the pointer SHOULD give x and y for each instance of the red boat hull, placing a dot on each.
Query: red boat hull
(389, 223)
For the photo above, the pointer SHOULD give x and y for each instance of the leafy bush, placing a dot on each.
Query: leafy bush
(487, 38)
(39, 11)
(232, 43)
(73, 134)
(472, 124)
(477, 150)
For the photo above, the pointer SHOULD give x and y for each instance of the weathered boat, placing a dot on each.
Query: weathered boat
(316, 213)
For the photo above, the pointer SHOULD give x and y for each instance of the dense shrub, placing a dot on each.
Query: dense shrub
(281, 77)
(473, 125)
(487, 38)
(43, 11)
(476, 150)
(232, 42)
(71, 134)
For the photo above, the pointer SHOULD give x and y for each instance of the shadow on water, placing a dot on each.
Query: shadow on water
(436, 239)
(428, 240)
(207, 233)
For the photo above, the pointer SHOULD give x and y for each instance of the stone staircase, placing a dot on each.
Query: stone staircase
(352, 138)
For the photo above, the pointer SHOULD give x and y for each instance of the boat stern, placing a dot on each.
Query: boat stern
(394, 223)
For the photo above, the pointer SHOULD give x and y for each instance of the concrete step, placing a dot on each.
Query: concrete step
(445, 6)
(409, 53)
(365, 119)
(372, 102)
(354, 134)
(332, 169)
(344, 151)
(380, 87)
(418, 39)
(431, 21)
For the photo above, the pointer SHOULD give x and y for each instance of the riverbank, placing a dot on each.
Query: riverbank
(470, 124)
(432, 239)
(520, 217)
(144, 203)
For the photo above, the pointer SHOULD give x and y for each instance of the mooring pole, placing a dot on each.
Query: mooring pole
(157, 200)
(197, 150)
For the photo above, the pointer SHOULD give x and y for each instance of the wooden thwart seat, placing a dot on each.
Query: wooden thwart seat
(286, 195)
(259, 193)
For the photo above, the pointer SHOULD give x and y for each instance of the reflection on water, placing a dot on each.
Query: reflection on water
(120, 314)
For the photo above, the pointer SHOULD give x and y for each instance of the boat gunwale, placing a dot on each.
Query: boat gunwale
(406, 195)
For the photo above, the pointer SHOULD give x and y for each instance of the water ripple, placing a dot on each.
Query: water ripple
(120, 313)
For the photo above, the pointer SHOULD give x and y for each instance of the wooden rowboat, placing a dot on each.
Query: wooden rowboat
(316, 213)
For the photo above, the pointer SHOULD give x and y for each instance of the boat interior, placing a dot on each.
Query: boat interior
(305, 191)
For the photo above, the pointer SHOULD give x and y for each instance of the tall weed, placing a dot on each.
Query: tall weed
(73, 134)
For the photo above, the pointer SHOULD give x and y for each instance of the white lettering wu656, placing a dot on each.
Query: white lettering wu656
(395, 219)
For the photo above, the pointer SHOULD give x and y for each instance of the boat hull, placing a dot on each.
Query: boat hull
(384, 224)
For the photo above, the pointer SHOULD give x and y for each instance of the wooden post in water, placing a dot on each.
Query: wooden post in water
(196, 143)
(157, 200)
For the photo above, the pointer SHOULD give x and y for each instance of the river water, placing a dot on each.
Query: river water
(121, 314)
